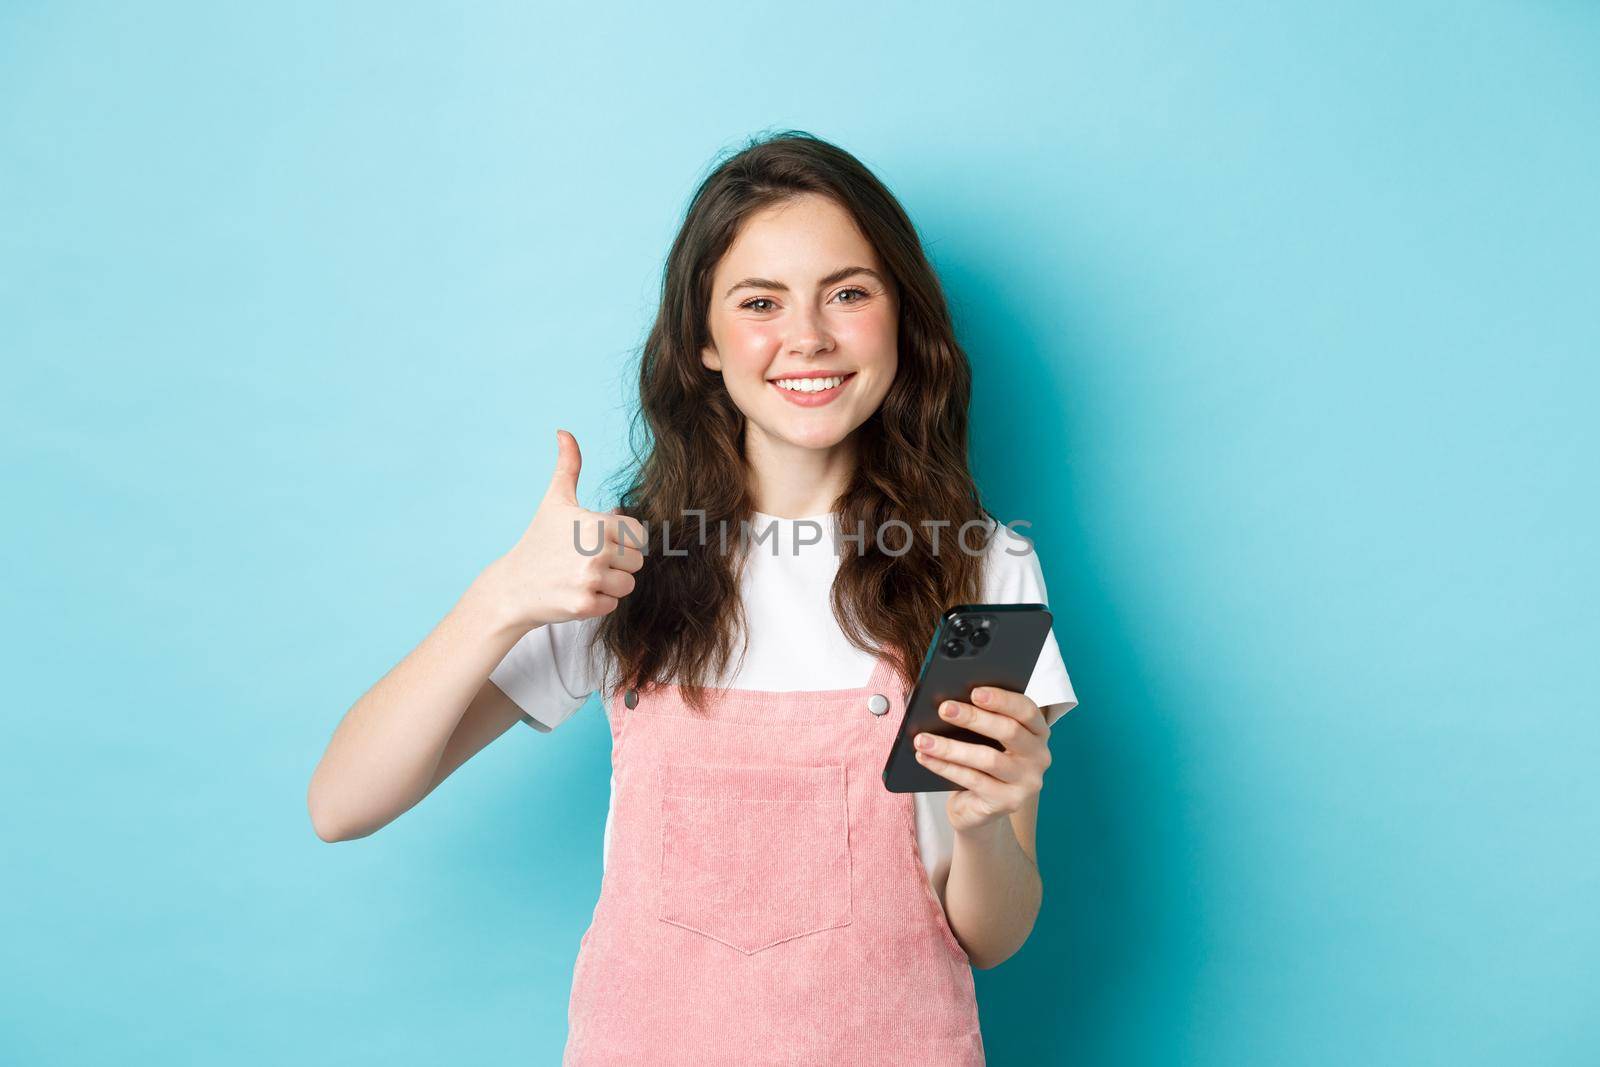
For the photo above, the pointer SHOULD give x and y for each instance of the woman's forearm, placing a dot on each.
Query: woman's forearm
(384, 754)
(993, 894)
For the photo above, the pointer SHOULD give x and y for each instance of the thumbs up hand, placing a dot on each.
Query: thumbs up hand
(545, 577)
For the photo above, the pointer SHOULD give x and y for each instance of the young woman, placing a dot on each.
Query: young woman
(806, 513)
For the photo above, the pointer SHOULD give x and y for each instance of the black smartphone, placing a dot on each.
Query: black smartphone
(973, 645)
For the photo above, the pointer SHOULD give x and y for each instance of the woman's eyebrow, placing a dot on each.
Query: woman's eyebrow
(767, 283)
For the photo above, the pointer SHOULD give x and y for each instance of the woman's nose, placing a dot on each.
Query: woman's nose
(808, 334)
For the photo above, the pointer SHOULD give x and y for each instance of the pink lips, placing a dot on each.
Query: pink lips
(811, 400)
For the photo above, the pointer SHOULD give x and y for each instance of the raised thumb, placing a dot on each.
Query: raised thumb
(564, 482)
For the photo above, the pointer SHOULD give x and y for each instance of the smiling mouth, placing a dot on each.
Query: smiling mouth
(812, 385)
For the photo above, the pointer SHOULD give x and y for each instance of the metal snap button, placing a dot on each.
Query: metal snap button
(878, 704)
(631, 698)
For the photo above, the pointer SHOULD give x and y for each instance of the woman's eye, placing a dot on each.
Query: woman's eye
(752, 303)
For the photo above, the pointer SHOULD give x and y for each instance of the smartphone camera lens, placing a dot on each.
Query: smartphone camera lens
(961, 626)
(979, 639)
(954, 647)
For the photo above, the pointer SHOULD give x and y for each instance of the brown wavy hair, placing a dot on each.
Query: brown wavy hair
(681, 621)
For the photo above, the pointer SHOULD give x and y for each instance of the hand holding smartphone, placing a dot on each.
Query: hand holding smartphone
(973, 645)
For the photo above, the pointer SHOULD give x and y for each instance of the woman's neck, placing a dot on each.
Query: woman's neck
(793, 482)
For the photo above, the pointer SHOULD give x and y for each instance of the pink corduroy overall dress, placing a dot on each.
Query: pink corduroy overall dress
(764, 901)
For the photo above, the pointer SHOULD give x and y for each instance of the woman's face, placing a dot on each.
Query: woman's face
(803, 324)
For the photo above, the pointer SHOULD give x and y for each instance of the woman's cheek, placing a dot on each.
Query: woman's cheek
(754, 344)
(867, 334)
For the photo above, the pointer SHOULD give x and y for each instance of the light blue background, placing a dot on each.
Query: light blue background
(1284, 326)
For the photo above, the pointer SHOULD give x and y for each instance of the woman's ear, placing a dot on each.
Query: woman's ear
(709, 357)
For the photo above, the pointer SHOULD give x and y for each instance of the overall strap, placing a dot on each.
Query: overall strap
(884, 678)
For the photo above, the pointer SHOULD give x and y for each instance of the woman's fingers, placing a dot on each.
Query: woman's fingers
(1009, 718)
(961, 774)
(616, 583)
(991, 762)
(1014, 704)
(1003, 728)
(626, 559)
(624, 530)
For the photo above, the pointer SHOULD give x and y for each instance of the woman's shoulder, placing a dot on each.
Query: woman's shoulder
(1014, 576)
(1012, 573)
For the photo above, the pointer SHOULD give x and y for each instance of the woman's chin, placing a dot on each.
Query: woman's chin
(816, 435)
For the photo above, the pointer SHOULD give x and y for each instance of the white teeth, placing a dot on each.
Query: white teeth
(807, 385)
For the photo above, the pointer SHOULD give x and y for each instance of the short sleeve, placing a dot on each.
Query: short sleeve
(550, 672)
(1012, 575)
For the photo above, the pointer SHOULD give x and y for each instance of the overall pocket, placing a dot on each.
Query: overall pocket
(754, 856)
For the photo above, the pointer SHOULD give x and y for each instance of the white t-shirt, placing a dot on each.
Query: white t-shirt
(794, 643)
